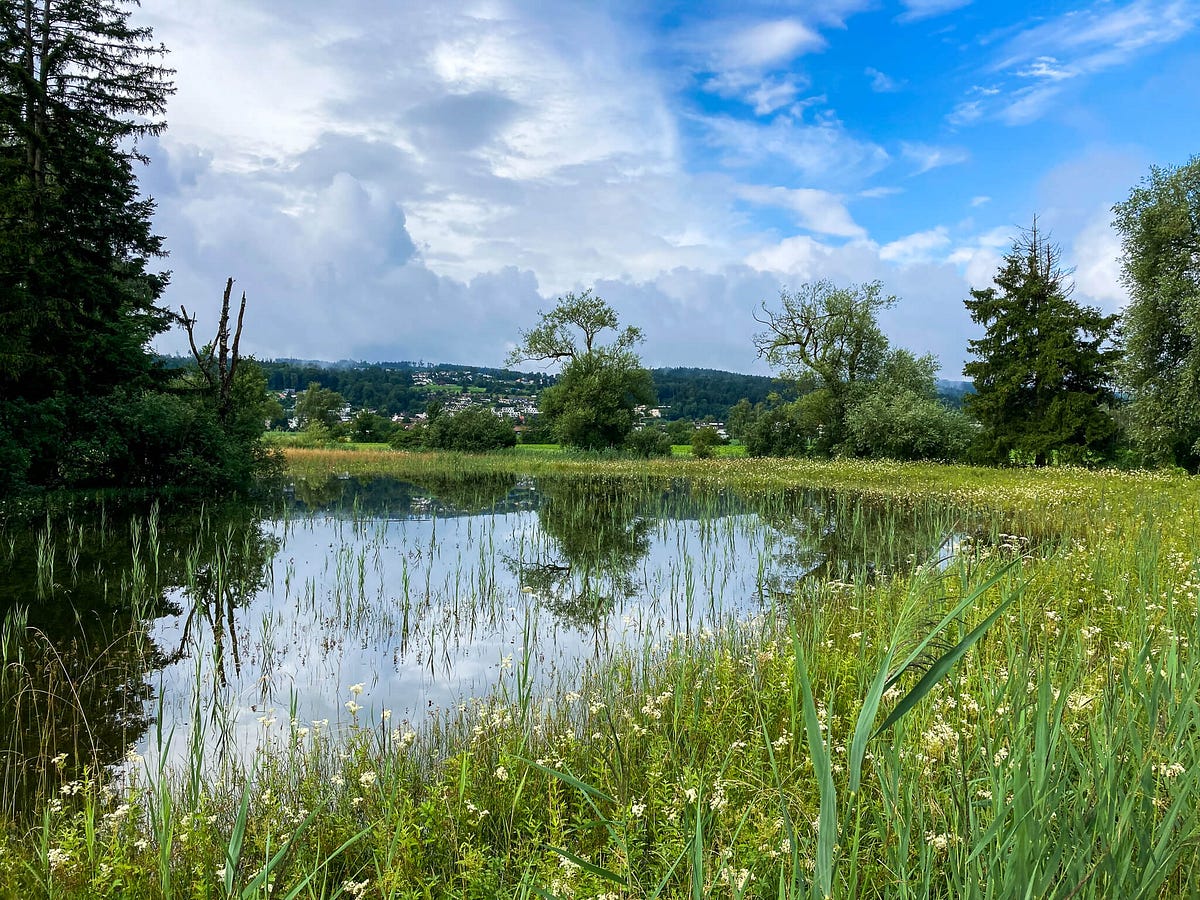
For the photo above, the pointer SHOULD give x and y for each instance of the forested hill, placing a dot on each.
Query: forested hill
(707, 393)
(406, 387)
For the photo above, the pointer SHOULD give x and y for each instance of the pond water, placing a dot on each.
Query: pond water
(158, 627)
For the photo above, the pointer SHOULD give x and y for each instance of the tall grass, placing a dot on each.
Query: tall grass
(1016, 718)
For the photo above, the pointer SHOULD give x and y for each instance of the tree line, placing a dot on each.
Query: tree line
(84, 402)
(1055, 381)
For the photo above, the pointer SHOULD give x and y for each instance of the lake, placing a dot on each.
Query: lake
(364, 601)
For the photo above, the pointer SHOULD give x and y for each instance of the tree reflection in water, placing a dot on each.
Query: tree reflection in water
(598, 534)
(78, 653)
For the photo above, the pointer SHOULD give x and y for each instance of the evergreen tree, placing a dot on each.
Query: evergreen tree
(1160, 227)
(1043, 371)
(78, 304)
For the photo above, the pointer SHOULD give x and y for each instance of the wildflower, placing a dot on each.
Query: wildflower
(366, 779)
(691, 795)
(1171, 770)
(59, 760)
(58, 858)
(386, 715)
(501, 773)
(356, 889)
(506, 663)
(353, 707)
(357, 689)
(638, 809)
(939, 842)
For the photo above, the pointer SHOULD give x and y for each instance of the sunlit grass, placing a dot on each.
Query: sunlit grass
(1058, 758)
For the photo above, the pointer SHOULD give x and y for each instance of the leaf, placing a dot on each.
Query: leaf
(598, 871)
(945, 662)
(827, 818)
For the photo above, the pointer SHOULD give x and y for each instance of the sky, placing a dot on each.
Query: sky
(417, 180)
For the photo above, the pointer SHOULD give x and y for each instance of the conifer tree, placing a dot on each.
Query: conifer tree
(80, 85)
(1043, 370)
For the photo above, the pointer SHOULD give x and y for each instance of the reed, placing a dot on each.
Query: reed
(1013, 713)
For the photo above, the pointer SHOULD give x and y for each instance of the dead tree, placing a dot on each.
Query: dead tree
(218, 361)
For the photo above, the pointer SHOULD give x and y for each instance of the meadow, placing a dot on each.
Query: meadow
(1012, 713)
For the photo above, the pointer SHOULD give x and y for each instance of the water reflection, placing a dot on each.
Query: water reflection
(598, 534)
(203, 624)
(79, 646)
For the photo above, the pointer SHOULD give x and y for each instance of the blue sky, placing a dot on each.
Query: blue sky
(415, 181)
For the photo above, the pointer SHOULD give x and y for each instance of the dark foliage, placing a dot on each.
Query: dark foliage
(1043, 370)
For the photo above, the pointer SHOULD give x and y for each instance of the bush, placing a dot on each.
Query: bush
(903, 425)
(704, 442)
(647, 442)
(475, 429)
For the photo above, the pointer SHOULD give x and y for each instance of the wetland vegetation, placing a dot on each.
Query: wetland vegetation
(530, 675)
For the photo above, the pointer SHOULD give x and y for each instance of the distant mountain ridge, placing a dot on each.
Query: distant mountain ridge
(405, 387)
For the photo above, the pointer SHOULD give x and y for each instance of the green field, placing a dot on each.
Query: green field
(1040, 738)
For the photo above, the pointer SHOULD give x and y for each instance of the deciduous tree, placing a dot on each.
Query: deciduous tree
(592, 406)
(831, 333)
(1160, 231)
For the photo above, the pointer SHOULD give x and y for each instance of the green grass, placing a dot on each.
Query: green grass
(1052, 753)
(725, 451)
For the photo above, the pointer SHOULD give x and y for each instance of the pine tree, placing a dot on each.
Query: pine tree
(78, 304)
(1043, 370)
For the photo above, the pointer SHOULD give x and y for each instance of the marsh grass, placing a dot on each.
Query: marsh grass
(1016, 717)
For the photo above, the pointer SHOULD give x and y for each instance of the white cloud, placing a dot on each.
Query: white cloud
(921, 247)
(823, 151)
(980, 257)
(928, 156)
(769, 43)
(1102, 36)
(1046, 68)
(815, 210)
(1070, 48)
(980, 200)
(1096, 251)
(915, 10)
(881, 83)
(771, 94)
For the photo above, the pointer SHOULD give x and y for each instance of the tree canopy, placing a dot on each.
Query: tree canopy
(592, 405)
(830, 333)
(1160, 230)
(82, 400)
(1044, 367)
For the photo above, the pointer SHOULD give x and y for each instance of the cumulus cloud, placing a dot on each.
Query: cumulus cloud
(1096, 251)
(921, 247)
(417, 180)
